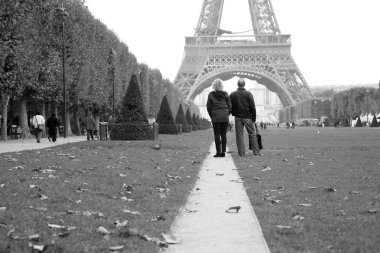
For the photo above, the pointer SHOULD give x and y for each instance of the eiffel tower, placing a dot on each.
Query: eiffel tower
(264, 57)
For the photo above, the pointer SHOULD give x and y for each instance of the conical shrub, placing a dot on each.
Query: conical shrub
(132, 109)
(180, 119)
(166, 120)
(189, 119)
(132, 122)
(359, 123)
(374, 121)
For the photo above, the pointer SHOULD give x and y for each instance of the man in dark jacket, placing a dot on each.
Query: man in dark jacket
(90, 126)
(244, 110)
(219, 108)
(52, 123)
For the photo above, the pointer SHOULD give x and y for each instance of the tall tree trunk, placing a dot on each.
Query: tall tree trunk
(4, 116)
(68, 124)
(76, 126)
(23, 119)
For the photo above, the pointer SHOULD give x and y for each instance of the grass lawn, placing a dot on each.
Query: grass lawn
(90, 196)
(316, 192)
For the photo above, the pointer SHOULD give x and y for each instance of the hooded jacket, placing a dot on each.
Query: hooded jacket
(219, 106)
(243, 104)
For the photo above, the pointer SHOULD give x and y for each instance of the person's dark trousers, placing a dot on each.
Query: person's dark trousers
(53, 133)
(239, 129)
(220, 135)
(90, 133)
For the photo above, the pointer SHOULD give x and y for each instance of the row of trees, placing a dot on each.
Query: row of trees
(339, 106)
(98, 65)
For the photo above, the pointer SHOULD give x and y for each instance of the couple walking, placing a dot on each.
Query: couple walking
(241, 105)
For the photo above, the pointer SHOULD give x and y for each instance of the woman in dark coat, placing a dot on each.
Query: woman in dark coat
(52, 123)
(219, 108)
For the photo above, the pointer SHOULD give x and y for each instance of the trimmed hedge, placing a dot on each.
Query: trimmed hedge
(131, 131)
(132, 110)
(170, 129)
(181, 119)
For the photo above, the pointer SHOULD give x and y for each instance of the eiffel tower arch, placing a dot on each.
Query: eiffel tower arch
(264, 57)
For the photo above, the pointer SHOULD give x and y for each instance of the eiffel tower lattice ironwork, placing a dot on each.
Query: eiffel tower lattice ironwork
(264, 56)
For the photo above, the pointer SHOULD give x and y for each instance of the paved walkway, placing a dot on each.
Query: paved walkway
(27, 144)
(204, 226)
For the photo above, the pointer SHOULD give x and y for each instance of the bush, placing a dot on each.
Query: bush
(188, 117)
(374, 122)
(132, 122)
(170, 129)
(180, 119)
(130, 131)
(359, 123)
(132, 110)
(166, 120)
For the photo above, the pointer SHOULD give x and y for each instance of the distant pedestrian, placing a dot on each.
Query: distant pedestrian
(52, 124)
(90, 126)
(244, 110)
(219, 108)
(38, 125)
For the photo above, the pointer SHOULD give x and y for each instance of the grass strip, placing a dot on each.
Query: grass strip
(315, 189)
(93, 196)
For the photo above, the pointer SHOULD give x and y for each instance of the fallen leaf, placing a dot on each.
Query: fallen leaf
(103, 230)
(158, 218)
(330, 189)
(239, 181)
(128, 188)
(305, 205)
(17, 168)
(266, 168)
(219, 174)
(78, 201)
(120, 224)
(35, 237)
(170, 239)
(354, 192)
(131, 212)
(56, 226)
(123, 175)
(116, 248)
(37, 247)
(42, 197)
(284, 227)
(256, 178)
(372, 211)
(298, 217)
(233, 208)
(341, 213)
(126, 199)
(2, 185)
(3, 208)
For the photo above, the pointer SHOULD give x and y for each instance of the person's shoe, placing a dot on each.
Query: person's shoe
(223, 154)
(38, 141)
(217, 155)
(258, 154)
(49, 139)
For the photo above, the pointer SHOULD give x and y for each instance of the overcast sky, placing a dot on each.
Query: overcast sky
(334, 42)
